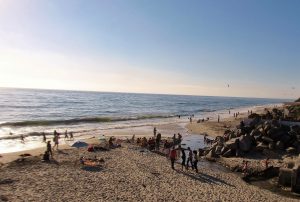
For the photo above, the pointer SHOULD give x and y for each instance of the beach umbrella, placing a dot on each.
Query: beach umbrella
(79, 144)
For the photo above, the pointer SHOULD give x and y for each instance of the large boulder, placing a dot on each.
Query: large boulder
(231, 144)
(228, 153)
(211, 154)
(295, 184)
(266, 140)
(246, 143)
(285, 176)
(280, 145)
(255, 132)
(261, 147)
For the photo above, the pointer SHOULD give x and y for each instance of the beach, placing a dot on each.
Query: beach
(128, 173)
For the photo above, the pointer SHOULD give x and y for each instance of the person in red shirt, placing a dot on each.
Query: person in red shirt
(173, 155)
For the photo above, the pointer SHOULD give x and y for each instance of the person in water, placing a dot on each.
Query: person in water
(22, 139)
(173, 155)
(44, 137)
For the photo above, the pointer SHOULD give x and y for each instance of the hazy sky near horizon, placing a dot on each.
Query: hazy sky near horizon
(174, 47)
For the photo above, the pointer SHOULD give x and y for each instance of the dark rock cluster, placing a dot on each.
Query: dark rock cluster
(258, 135)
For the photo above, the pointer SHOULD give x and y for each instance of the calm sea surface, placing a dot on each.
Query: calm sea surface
(30, 111)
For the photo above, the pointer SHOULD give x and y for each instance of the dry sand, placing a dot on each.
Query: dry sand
(126, 175)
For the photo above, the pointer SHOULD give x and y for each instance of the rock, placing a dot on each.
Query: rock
(285, 139)
(266, 139)
(232, 135)
(254, 116)
(220, 140)
(278, 135)
(218, 150)
(285, 176)
(231, 144)
(271, 145)
(291, 150)
(261, 147)
(255, 132)
(228, 153)
(211, 154)
(295, 184)
(279, 145)
(258, 138)
(245, 143)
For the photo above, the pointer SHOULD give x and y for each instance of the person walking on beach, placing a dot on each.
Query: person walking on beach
(154, 131)
(66, 134)
(44, 137)
(173, 155)
(195, 160)
(55, 139)
(218, 118)
(49, 148)
(71, 136)
(190, 158)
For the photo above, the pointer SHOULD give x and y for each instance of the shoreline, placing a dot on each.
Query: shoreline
(211, 127)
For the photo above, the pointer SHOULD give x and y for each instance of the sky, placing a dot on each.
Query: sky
(169, 46)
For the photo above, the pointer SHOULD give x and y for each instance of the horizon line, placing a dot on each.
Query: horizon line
(98, 91)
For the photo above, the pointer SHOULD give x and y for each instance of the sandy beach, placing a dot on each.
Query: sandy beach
(126, 175)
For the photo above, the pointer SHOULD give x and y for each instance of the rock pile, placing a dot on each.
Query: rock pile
(259, 136)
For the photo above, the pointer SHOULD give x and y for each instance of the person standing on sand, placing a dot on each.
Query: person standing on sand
(173, 155)
(218, 118)
(190, 158)
(195, 160)
(183, 157)
(154, 131)
(157, 141)
(55, 139)
(49, 149)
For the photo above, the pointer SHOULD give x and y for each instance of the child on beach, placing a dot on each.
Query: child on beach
(49, 148)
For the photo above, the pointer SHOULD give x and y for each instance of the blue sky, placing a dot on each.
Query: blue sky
(177, 47)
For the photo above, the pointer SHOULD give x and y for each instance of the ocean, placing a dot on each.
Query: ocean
(30, 112)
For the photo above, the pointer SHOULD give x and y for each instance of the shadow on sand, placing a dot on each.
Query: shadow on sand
(205, 178)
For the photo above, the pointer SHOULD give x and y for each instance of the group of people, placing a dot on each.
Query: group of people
(56, 136)
(187, 161)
